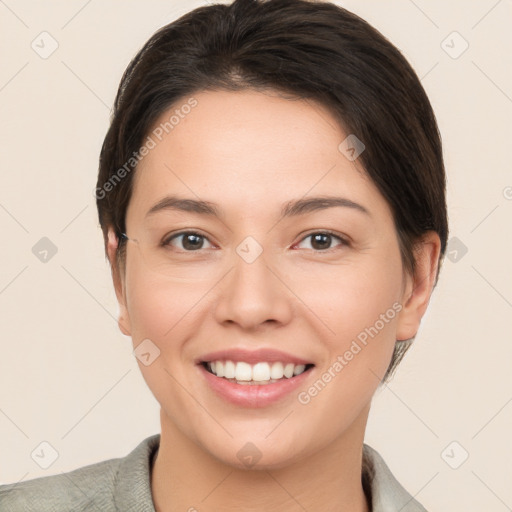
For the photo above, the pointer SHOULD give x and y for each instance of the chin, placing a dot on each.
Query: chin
(258, 455)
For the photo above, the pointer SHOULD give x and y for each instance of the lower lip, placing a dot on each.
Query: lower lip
(253, 395)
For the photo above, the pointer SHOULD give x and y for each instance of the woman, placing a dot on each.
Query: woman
(272, 197)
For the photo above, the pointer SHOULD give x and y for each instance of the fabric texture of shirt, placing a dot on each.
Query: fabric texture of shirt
(124, 485)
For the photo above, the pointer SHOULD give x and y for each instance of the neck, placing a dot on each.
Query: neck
(187, 478)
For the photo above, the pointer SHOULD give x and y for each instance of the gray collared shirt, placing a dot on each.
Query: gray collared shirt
(123, 485)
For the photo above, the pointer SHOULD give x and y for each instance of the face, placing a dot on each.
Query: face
(261, 278)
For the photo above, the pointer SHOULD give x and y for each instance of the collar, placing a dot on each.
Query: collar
(387, 494)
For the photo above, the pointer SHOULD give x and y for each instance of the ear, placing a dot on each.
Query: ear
(119, 283)
(418, 287)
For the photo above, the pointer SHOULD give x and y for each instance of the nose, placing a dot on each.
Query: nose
(253, 295)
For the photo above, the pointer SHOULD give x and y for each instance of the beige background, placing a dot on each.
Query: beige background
(67, 374)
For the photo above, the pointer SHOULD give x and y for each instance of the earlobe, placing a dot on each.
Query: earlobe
(118, 281)
(419, 288)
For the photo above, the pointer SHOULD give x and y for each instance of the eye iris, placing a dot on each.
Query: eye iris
(192, 242)
(319, 239)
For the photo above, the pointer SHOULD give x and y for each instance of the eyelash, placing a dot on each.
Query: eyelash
(344, 241)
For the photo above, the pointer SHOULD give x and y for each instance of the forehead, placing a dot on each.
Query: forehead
(247, 148)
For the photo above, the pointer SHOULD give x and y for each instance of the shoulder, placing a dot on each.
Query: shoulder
(76, 489)
(387, 493)
(122, 483)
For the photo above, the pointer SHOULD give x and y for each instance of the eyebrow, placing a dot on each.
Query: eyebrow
(289, 209)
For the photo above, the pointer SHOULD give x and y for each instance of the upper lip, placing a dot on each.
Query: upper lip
(252, 356)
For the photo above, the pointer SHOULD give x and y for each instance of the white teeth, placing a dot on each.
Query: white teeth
(298, 369)
(262, 372)
(243, 371)
(229, 370)
(288, 370)
(277, 371)
(219, 368)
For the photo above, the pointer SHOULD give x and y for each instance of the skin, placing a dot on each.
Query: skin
(251, 152)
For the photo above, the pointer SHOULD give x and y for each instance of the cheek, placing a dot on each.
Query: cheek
(349, 298)
(358, 305)
(166, 313)
(160, 308)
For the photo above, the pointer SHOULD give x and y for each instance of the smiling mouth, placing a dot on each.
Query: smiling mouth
(260, 373)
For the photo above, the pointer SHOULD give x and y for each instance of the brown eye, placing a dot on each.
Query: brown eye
(321, 241)
(190, 241)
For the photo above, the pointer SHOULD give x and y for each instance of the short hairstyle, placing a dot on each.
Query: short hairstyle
(304, 49)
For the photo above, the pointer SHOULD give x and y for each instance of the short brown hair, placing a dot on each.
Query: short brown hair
(311, 50)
